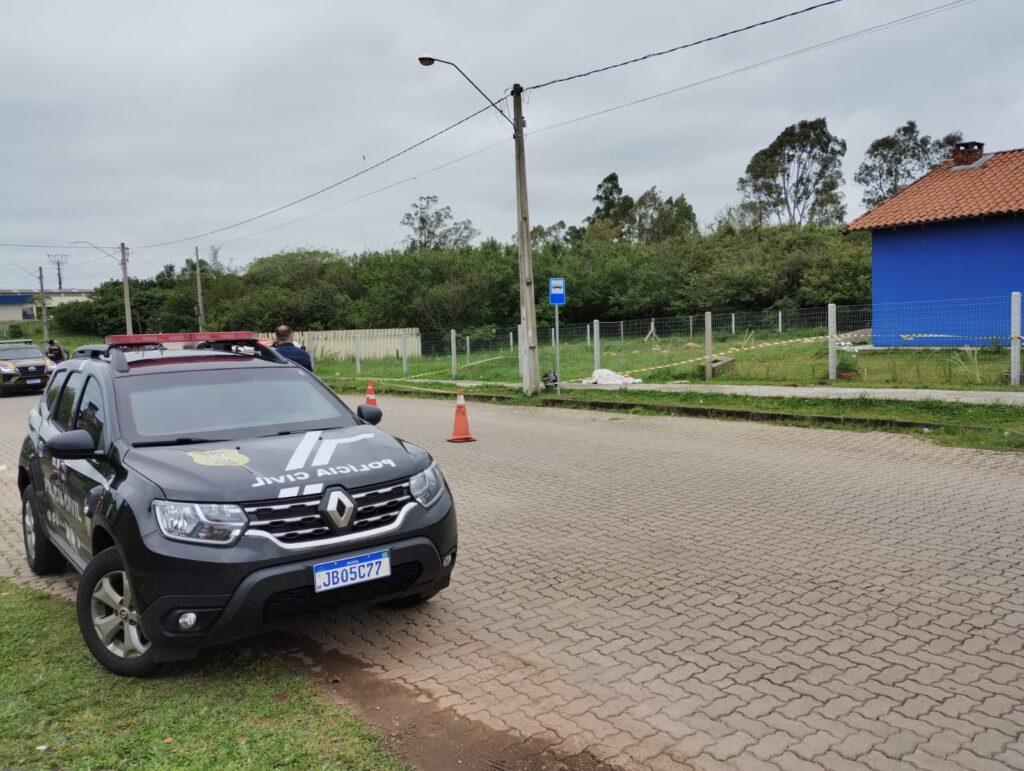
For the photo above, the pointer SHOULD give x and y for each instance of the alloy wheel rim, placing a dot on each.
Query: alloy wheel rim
(29, 523)
(114, 618)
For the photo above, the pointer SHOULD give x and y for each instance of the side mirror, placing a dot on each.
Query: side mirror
(72, 444)
(369, 414)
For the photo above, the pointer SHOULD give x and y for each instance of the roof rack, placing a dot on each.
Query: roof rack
(115, 355)
(16, 342)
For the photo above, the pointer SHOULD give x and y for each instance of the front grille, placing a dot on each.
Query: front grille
(379, 506)
(34, 370)
(303, 601)
(298, 520)
(293, 521)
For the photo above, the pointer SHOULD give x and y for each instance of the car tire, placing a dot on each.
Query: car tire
(108, 618)
(42, 556)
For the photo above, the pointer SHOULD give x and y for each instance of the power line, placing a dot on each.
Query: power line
(49, 246)
(799, 52)
(739, 70)
(692, 44)
(368, 169)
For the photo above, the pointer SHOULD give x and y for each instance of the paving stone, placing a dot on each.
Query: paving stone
(743, 607)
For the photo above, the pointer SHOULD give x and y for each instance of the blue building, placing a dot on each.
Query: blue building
(947, 251)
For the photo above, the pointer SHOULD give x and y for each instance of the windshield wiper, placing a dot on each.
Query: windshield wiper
(175, 440)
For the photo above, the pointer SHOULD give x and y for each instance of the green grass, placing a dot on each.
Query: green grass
(789, 359)
(236, 708)
(34, 330)
(978, 426)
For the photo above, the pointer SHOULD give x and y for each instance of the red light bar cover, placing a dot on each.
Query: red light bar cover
(183, 337)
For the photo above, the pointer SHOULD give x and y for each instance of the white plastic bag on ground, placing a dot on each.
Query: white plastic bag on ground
(607, 377)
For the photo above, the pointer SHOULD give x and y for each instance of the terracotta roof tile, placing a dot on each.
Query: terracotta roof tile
(950, 193)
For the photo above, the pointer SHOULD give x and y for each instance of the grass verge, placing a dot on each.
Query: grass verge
(979, 426)
(238, 708)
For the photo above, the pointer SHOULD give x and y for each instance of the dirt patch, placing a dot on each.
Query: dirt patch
(417, 731)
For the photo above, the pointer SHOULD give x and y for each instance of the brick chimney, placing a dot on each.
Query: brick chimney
(966, 153)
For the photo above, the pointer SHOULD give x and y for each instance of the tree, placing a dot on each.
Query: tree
(658, 219)
(435, 228)
(797, 178)
(894, 161)
(614, 212)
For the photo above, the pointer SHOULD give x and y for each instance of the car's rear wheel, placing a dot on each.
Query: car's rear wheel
(41, 555)
(109, 620)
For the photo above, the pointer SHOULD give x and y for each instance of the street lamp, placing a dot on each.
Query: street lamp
(527, 309)
(124, 281)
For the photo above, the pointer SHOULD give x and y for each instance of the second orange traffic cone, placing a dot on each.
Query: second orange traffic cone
(371, 397)
(460, 433)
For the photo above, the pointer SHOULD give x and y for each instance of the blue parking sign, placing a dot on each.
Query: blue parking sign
(556, 291)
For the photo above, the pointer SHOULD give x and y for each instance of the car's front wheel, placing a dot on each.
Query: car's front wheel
(109, 620)
(41, 555)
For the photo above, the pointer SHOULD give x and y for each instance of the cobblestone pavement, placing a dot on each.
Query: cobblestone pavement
(673, 593)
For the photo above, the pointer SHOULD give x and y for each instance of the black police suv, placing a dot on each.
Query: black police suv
(207, 494)
(23, 367)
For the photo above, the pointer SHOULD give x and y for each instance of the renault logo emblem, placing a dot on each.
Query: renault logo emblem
(337, 508)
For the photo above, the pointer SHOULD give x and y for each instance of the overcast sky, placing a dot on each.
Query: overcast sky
(145, 122)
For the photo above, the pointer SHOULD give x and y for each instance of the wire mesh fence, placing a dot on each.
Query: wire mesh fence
(940, 344)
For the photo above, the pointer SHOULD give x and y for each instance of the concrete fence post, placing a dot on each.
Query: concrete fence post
(359, 364)
(691, 326)
(622, 332)
(511, 343)
(708, 340)
(588, 335)
(597, 344)
(832, 359)
(552, 337)
(467, 349)
(780, 322)
(733, 323)
(455, 351)
(1015, 338)
(405, 352)
(522, 351)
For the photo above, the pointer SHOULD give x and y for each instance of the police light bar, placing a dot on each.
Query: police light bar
(183, 337)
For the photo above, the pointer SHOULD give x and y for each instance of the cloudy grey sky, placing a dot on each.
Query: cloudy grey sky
(145, 122)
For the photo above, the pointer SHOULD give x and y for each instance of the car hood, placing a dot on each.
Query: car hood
(299, 464)
(36, 362)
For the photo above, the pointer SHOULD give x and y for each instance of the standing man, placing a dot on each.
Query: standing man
(287, 348)
(56, 352)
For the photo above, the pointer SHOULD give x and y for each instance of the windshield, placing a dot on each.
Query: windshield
(20, 352)
(212, 404)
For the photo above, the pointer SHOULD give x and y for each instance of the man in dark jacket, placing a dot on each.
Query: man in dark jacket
(287, 348)
(56, 352)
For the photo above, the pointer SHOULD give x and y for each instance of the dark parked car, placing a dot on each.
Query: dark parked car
(23, 367)
(207, 494)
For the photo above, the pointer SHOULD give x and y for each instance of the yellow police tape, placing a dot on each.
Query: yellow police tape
(738, 349)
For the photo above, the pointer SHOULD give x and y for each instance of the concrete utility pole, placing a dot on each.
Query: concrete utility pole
(528, 350)
(127, 298)
(527, 307)
(42, 303)
(199, 290)
(59, 261)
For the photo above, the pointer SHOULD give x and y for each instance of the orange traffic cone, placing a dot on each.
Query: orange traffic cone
(371, 397)
(461, 431)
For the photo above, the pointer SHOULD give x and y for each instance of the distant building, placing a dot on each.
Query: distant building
(23, 304)
(957, 233)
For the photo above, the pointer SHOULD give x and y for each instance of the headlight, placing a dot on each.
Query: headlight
(427, 486)
(216, 524)
(50, 367)
(7, 369)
